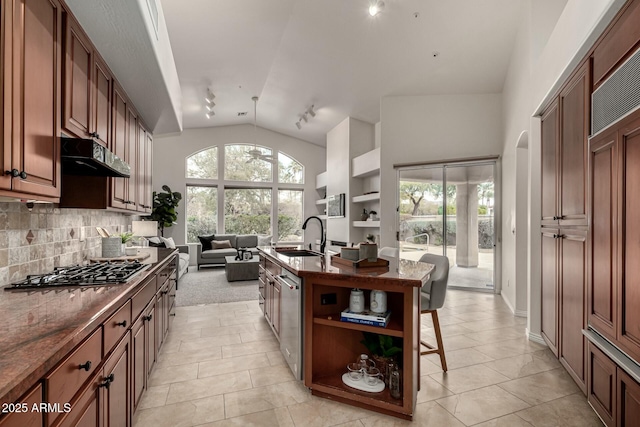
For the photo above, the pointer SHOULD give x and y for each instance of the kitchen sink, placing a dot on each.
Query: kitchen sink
(298, 252)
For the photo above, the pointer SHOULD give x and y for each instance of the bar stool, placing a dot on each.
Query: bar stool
(432, 297)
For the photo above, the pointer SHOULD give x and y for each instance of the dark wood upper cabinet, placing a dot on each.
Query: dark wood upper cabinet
(549, 150)
(119, 131)
(101, 101)
(574, 129)
(618, 43)
(34, 144)
(602, 296)
(132, 159)
(629, 232)
(78, 64)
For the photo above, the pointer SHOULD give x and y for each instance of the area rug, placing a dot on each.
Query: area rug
(210, 286)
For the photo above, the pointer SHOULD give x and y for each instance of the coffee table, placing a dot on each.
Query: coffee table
(241, 270)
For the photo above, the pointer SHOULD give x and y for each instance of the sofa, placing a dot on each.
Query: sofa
(215, 257)
(183, 259)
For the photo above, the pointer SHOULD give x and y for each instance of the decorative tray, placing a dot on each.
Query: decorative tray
(362, 385)
(361, 263)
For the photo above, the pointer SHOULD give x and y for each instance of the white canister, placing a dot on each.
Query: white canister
(378, 301)
(356, 301)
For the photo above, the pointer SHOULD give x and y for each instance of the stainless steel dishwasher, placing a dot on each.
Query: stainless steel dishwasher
(291, 321)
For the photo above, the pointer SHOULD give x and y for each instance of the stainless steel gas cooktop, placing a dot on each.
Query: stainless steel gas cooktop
(81, 275)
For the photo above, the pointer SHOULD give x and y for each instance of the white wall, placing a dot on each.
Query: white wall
(170, 153)
(432, 128)
(543, 58)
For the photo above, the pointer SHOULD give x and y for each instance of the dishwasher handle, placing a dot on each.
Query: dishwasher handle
(284, 279)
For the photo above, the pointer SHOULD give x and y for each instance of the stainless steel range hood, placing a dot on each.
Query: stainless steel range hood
(86, 157)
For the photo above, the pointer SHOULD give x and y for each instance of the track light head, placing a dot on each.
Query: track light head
(298, 125)
(210, 96)
(210, 114)
(311, 112)
(305, 118)
(209, 106)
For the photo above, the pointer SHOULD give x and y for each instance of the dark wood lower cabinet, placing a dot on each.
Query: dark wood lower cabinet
(138, 358)
(628, 395)
(549, 282)
(117, 392)
(602, 385)
(26, 418)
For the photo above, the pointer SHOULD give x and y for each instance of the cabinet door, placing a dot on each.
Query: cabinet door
(132, 159)
(602, 296)
(602, 385)
(101, 101)
(275, 314)
(77, 80)
(27, 418)
(629, 249)
(138, 359)
(150, 338)
(549, 184)
(574, 122)
(6, 28)
(148, 180)
(36, 96)
(119, 186)
(117, 396)
(141, 167)
(86, 408)
(573, 286)
(549, 279)
(628, 398)
(268, 298)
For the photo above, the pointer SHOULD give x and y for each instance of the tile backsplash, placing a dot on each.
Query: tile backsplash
(37, 240)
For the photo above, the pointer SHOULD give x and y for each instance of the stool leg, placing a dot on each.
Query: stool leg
(436, 325)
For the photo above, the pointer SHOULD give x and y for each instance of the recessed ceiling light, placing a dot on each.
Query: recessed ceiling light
(376, 8)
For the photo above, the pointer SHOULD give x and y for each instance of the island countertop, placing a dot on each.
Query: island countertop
(400, 272)
(41, 326)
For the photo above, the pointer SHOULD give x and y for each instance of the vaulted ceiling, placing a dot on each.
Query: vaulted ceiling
(331, 54)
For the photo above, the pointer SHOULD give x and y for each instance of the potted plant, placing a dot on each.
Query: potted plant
(384, 350)
(371, 238)
(164, 208)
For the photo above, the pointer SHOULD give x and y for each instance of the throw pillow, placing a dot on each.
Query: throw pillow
(264, 240)
(156, 242)
(168, 242)
(205, 241)
(221, 244)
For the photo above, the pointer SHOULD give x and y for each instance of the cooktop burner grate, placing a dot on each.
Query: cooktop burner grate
(81, 275)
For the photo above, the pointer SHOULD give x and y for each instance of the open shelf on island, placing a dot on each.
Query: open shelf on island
(370, 224)
(332, 384)
(394, 329)
(365, 198)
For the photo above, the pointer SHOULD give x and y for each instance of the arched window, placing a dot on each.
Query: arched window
(290, 171)
(261, 192)
(203, 164)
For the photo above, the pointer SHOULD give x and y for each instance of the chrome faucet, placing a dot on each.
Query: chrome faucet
(323, 238)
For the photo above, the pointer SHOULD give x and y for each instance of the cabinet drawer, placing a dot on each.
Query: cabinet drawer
(140, 300)
(65, 380)
(27, 418)
(116, 326)
(601, 385)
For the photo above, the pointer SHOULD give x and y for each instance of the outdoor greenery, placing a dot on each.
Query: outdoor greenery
(164, 208)
(247, 210)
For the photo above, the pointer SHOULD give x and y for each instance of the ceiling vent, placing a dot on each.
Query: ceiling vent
(618, 96)
(242, 113)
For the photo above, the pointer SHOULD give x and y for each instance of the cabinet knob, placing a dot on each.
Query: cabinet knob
(107, 381)
(14, 173)
(165, 292)
(86, 365)
(172, 314)
(123, 323)
(148, 318)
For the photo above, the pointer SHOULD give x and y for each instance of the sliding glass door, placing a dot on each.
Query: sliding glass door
(449, 210)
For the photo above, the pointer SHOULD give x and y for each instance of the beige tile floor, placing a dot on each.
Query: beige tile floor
(221, 366)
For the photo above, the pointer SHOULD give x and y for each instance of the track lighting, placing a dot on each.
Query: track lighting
(311, 112)
(210, 96)
(376, 8)
(210, 114)
(298, 125)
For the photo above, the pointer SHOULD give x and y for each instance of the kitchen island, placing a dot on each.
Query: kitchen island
(73, 345)
(328, 344)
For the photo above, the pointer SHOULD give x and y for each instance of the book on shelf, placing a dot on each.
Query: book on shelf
(366, 318)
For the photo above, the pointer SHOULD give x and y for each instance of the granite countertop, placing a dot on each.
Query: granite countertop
(39, 327)
(400, 272)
